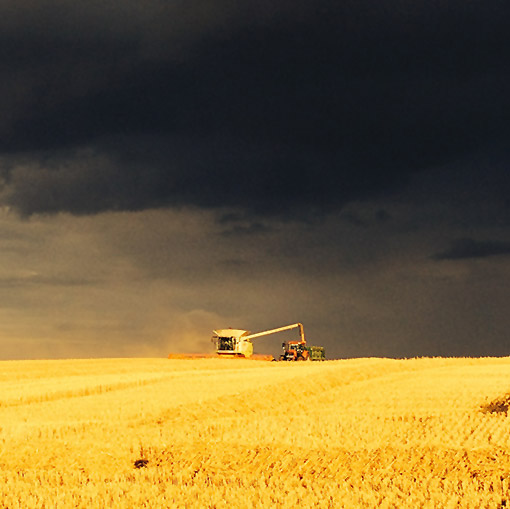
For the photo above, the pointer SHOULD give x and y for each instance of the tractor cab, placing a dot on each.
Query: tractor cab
(294, 351)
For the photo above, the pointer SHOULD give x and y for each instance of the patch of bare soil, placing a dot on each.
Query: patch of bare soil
(497, 406)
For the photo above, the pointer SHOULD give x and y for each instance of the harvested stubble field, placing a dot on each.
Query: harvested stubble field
(222, 433)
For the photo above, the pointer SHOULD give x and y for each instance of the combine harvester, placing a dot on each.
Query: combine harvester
(236, 343)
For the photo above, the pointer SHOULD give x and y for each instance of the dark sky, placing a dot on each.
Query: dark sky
(167, 168)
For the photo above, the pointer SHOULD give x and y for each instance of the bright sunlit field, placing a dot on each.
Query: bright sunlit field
(235, 433)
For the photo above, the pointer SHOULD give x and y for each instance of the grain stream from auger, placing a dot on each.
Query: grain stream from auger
(223, 433)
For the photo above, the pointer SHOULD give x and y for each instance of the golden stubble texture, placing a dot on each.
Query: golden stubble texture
(129, 433)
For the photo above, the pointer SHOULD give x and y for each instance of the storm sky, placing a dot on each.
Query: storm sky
(168, 168)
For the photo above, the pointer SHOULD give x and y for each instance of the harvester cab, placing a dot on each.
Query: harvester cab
(232, 343)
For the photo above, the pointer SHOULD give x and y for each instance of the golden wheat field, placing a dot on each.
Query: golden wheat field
(231, 433)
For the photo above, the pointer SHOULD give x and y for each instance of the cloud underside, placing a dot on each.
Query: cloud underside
(467, 248)
(273, 110)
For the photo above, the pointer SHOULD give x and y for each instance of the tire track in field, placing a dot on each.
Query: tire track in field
(277, 396)
(92, 389)
(50, 394)
(79, 392)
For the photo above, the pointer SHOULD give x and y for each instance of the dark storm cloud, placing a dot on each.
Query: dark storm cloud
(253, 228)
(470, 248)
(270, 108)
